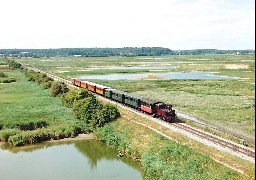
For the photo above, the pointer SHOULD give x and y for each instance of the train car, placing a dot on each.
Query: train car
(76, 82)
(91, 86)
(108, 93)
(84, 84)
(158, 109)
(100, 89)
(132, 100)
(118, 96)
(148, 105)
(73, 81)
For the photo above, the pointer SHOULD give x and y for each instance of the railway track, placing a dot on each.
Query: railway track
(182, 126)
(216, 140)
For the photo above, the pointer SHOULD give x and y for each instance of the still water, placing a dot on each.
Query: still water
(134, 67)
(84, 159)
(169, 75)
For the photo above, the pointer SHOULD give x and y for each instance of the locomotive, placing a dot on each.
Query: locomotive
(145, 105)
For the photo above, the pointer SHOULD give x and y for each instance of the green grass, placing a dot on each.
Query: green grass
(25, 104)
(162, 158)
(226, 103)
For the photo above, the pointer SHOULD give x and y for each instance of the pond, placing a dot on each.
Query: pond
(83, 159)
(169, 75)
(133, 68)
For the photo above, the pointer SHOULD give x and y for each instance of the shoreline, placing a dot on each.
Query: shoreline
(88, 136)
(77, 138)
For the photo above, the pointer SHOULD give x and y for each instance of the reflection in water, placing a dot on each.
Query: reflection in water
(87, 159)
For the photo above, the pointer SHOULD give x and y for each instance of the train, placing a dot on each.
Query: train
(149, 106)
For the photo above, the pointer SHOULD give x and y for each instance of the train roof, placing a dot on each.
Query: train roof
(110, 89)
(133, 96)
(118, 91)
(125, 93)
(149, 101)
(85, 81)
(102, 86)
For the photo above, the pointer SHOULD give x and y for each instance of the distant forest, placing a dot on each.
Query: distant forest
(103, 52)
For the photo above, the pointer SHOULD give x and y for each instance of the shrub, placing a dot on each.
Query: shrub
(58, 88)
(7, 80)
(6, 133)
(71, 96)
(47, 84)
(2, 75)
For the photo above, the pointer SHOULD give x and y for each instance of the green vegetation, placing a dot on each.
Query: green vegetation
(29, 115)
(92, 52)
(105, 52)
(162, 158)
(228, 104)
(4, 78)
(88, 109)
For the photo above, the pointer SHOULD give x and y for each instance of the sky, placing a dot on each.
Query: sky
(173, 24)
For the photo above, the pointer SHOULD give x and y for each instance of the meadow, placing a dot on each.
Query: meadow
(225, 103)
(27, 102)
(28, 114)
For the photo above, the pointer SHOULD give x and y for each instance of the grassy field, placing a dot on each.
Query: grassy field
(24, 101)
(166, 159)
(229, 104)
(27, 111)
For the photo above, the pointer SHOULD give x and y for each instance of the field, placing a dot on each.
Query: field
(226, 103)
(25, 101)
(29, 114)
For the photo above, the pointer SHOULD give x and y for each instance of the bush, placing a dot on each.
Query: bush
(6, 133)
(58, 88)
(47, 84)
(84, 108)
(73, 95)
(14, 65)
(2, 75)
(7, 80)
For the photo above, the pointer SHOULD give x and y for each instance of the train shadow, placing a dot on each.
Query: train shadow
(177, 120)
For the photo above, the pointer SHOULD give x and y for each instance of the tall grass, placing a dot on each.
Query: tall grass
(29, 115)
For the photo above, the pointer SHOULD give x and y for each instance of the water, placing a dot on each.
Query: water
(169, 75)
(134, 67)
(87, 159)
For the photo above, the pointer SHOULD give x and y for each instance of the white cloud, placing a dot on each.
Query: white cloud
(176, 24)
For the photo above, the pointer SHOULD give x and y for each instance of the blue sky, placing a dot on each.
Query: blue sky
(175, 24)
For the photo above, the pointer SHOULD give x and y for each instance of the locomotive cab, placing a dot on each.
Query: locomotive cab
(165, 112)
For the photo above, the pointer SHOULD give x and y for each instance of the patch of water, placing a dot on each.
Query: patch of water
(133, 67)
(169, 75)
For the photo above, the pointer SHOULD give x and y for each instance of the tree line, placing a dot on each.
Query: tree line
(105, 52)
(86, 52)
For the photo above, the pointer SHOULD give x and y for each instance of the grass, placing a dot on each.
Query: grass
(26, 101)
(28, 114)
(136, 134)
(226, 103)
(166, 159)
